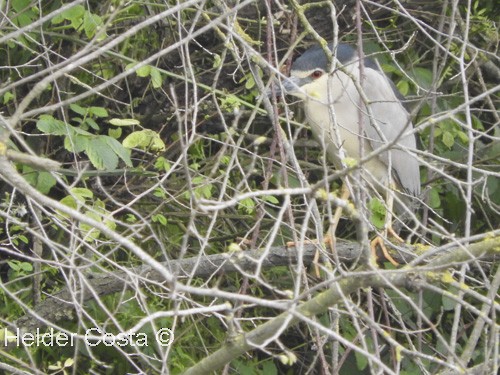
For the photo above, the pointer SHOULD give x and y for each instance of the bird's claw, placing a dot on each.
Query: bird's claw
(379, 241)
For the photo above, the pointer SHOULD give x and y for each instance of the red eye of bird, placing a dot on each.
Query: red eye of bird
(316, 74)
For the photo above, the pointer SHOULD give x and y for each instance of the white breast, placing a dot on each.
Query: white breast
(342, 111)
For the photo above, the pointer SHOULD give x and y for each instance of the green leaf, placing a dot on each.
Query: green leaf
(448, 303)
(378, 212)
(386, 67)
(100, 154)
(111, 224)
(434, 199)
(448, 139)
(124, 121)
(247, 205)
(403, 87)
(82, 193)
(41, 180)
(243, 368)
(76, 143)
(91, 22)
(464, 138)
(493, 186)
(49, 125)
(160, 193)
(14, 265)
(423, 76)
(437, 132)
(204, 191)
(80, 110)
(361, 360)
(21, 268)
(76, 197)
(130, 66)
(115, 133)
(122, 152)
(143, 71)
(156, 78)
(144, 139)
(271, 199)
(73, 12)
(130, 218)
(57, 19)
(159, 218)
(217, 61)
(98, 111)
(225, 160)
(100, 206)
(91, 122)
(230, 103)
(269, 368)
(477, 124)
(70, 202)
(74, 15)
(201, 188)
(22, 20)
(21, 238)
(7, 97)
(19, 5)
(250, 82)
(91, 233)
(26, 267)
(431, 303)
(162, 164)
(81, 131)
(45, 181)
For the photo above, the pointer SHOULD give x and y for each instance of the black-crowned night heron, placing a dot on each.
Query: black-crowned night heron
(335, 103)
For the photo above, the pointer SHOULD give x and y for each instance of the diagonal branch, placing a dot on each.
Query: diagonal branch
(60, 305)
(330, 297)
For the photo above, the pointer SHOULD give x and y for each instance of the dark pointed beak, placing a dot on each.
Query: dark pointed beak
(289, 86)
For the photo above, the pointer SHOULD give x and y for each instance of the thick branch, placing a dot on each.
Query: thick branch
(326, 299)
(319, 304)
(60, 306)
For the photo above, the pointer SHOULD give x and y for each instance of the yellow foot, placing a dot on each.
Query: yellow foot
(393, 234)
(378, 241)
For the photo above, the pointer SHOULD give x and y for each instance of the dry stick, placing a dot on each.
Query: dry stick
(55, 309)
(270, 330)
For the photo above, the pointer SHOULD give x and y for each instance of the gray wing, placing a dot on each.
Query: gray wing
(392, 120)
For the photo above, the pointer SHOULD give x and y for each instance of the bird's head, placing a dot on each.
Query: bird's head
(309, 73)
(306, 84)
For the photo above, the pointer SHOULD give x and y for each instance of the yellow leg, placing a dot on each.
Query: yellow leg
(379, 241)
(330, 235)
(329, 238)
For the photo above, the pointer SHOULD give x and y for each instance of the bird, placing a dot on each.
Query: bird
(336, 102)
